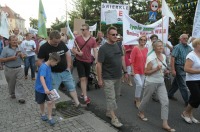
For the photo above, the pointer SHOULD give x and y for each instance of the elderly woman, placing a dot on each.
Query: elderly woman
(192, 69)
(154, 71)
(138, 59)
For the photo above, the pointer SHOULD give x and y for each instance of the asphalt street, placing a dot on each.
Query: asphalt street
(127, 112)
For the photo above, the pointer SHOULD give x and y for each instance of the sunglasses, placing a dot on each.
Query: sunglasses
(114, 34)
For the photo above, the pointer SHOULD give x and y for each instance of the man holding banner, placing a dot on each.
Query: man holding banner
(84, 58)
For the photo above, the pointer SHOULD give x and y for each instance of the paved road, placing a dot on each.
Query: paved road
(128, 112)
(15, 117)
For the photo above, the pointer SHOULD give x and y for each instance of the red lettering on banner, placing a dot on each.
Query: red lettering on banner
(132, 34)
(120, 13)
(159, 31)
(142, 33)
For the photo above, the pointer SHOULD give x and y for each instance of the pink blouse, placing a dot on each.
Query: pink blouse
(138, 59)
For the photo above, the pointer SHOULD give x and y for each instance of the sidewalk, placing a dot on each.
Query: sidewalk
(15, 117)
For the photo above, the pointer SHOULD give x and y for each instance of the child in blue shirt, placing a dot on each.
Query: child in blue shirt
(43, 86)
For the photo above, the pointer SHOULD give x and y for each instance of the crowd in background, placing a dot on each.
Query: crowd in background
(114, 63)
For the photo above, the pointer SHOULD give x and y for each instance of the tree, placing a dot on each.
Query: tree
(57, 25)
(33, 23)
(90, 11)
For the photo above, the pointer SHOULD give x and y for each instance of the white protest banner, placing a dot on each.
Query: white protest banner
(33, 31)
(121, 9)
(132, 30)
(93, 28)
(196, 24)
(111, 17)
(4, 25)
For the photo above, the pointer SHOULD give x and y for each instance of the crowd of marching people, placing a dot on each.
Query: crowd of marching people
(146, 63)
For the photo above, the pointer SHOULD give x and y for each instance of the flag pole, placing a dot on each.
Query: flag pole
(100, 25)
(76, 44)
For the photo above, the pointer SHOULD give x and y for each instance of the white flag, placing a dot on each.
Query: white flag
(196, 26)
(4, 26)
(167, 12)
(93, 28)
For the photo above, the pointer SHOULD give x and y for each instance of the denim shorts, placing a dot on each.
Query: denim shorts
(64, 77)
(40, 98)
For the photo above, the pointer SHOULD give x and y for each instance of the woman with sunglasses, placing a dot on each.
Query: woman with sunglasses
(154, 71)
(138, 59)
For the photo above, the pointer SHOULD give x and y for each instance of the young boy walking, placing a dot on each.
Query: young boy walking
(43, 87)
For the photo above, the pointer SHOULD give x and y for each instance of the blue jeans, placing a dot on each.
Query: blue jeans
(179, 83)
(66, 78)
(29, 61)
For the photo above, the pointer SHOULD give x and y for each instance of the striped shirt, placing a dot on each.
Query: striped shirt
(180, 52)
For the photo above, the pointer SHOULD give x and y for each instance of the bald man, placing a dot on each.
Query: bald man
(19, 37)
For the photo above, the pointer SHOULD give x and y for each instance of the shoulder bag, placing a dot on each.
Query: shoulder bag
(75, 61)
(167, 77)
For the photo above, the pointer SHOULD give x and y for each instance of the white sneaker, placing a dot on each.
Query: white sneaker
(194, 120)
(115, 122)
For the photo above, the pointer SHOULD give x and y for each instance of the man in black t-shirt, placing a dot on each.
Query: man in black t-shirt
(61, 72)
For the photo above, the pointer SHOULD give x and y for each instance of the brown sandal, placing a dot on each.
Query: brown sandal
(142, 118)
(169, 129)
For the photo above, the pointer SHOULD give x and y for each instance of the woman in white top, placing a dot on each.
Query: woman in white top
(192, 69)
(154, 71)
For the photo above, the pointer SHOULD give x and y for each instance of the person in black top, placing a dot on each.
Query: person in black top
(61, 72)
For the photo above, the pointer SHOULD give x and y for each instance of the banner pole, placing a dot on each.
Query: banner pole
(100, 25)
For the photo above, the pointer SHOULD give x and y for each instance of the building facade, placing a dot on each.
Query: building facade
(14, 19)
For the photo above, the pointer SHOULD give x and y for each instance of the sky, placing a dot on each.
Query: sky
(29, 8)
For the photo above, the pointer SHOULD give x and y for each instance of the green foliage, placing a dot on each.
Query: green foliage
(90, 11)
(33, 23)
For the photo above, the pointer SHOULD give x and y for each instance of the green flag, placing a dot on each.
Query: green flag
(42, 31)
(69, 32)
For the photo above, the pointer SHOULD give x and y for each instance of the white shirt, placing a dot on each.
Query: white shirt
(20, 38)
(196, 65)
(27, 46)
(148, 44)
(158, 76)
(190, 44)
(166, 49)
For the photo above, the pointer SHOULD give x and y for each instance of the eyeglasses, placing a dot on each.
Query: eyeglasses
(114, 34)
(83, 29)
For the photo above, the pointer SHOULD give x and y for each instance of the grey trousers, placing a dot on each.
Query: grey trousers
(15, 78)
(112, 89)
(161, 91)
